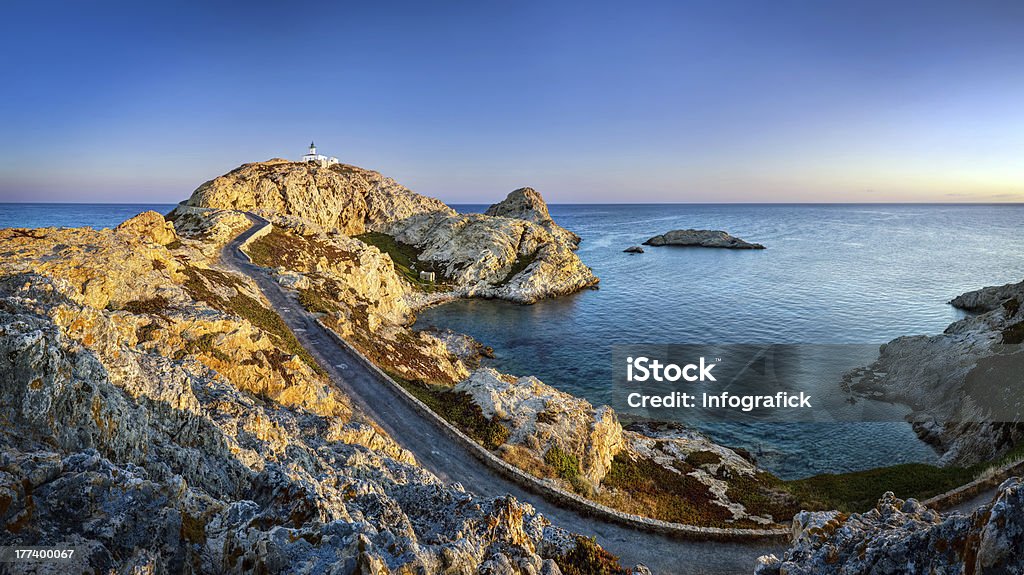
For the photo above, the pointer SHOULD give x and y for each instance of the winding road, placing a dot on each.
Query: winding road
(452, 462)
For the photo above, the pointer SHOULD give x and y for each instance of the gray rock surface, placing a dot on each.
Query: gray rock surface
(634, 250)
(527, 204)
(701, 239)
(172, 434)
(964, 384)
(522, 256)
(906, 538)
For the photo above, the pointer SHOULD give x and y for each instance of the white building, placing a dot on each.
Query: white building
(321, 159)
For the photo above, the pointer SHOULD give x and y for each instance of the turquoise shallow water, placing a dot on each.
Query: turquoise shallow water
(860, 274)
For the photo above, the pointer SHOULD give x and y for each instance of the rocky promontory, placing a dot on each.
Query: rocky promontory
(522, 256)
(340, 197)
(964, 384)
(701, 239)
(515, 251)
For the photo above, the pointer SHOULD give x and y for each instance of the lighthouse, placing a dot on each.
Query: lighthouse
(312, 156)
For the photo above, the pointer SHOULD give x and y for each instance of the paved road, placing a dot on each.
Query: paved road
(452, 462)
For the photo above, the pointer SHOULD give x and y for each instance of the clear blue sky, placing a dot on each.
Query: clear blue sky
(586, 101)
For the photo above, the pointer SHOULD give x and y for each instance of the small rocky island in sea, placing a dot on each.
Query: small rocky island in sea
(701, 239)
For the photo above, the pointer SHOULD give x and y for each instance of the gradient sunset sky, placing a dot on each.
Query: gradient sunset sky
(585, 101)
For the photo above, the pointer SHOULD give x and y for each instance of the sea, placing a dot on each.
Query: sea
(831, 274)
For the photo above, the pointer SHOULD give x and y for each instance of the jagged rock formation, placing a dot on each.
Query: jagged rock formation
(158, 417)
(701, 239)
(963, 384)
(905, 538)
(542, 418)
(565, 439)
(517, 253)
(339, 197)
(527, 204)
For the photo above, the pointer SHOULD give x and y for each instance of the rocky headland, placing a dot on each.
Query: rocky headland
(514, 251)
(964, 384)
(701, 239)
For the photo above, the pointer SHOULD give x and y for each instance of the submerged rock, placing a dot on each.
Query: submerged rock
(904, 537)
(634, 250)
(702, 239)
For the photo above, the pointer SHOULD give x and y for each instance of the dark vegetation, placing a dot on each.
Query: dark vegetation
(698, 458)
(316, 301)
(458, 409)
(521, 263)
(154, 305)
(208, 285)
(859, 491)
(203, 344)
(588, 558)
(280, 248)
(643, 487)
(407, 260)
(566, 466)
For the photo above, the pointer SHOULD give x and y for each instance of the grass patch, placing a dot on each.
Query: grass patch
(588, 558)
(698, 458)
(199, 284)
(406, 260)
(281, 248)
(566, 465)
(644, 487)
(316, 301)
(859, 491)
(458, 408)
(154, 305)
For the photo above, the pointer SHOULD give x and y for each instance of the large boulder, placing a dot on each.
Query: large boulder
(541, 418)
(521, 255)
(151, 226)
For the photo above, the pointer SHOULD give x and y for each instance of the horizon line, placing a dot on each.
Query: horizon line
(684, 203)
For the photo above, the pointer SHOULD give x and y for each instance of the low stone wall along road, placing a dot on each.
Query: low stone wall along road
(451, 461)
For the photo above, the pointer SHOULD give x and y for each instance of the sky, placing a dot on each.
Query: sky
(713, 101)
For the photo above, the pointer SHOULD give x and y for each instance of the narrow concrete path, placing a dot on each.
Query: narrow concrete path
(453, 463)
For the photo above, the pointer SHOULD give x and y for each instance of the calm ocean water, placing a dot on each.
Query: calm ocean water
(831, 274)
(72, 215)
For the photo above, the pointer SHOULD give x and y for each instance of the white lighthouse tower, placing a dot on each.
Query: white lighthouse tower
(312, 156)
